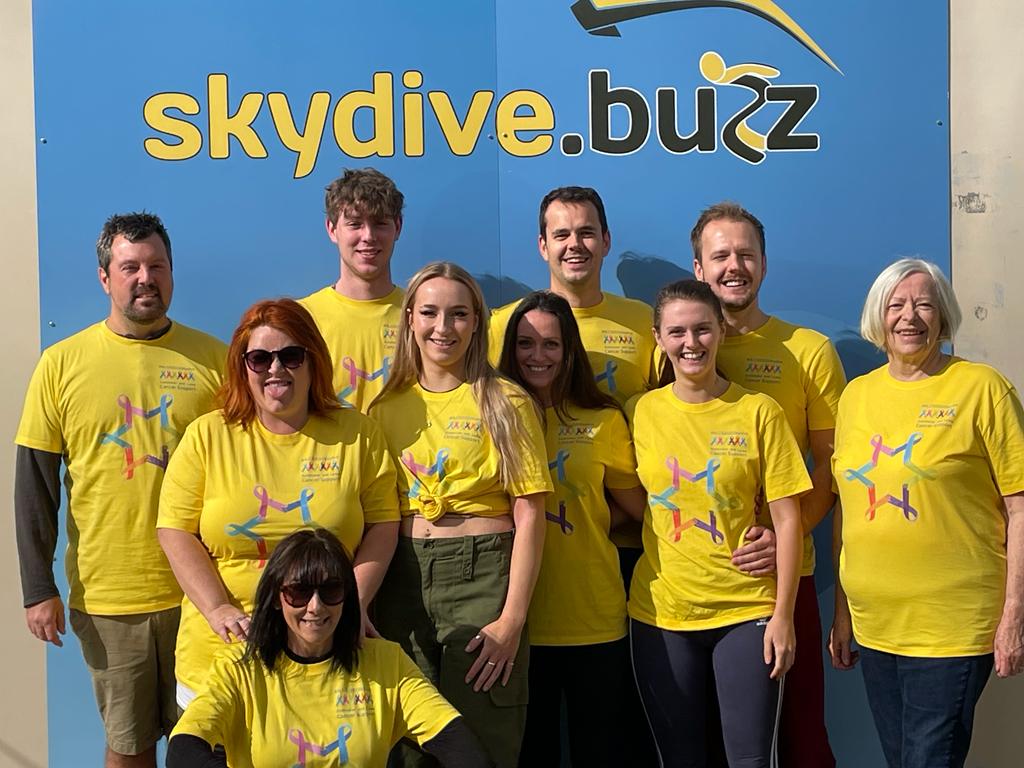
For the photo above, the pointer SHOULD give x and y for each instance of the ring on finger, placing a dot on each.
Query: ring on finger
(492, 663)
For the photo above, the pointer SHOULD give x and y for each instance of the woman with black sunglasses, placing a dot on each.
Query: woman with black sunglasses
(305, 688)
(279, 455)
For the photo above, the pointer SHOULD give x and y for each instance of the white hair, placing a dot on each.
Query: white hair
(872, 318)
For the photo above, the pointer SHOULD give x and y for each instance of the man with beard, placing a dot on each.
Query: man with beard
(799, 368)
(359, 314)
(112, 401)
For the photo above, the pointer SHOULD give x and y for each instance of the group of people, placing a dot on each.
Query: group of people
(387, 525)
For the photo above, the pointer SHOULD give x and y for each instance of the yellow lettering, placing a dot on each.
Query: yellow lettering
(507, 123)
(307, 143)
(190, 138)
(224, 125)
(461, 138)
(412, 115)
(379, 102)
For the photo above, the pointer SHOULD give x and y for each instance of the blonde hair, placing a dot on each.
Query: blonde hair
(872, 318)
(491, 390)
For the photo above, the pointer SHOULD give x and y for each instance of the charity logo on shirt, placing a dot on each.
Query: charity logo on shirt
(353, 703)
(426, 477)
(934, 415)
(729, 444)
(576, 433)
(319, 469)
(705, 520)
(389, 334)
(135, 437)
(564, 491)
(357, 375)
(899, 495)
(305, 747)
(606, 376)
(762, 370)
(250, 529)
(178, 377)
(467, 428)
(619, 340)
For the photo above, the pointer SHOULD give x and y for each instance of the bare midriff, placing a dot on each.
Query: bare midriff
(450, 526)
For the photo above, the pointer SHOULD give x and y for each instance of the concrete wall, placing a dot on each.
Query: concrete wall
(23, 702)
(987, 105)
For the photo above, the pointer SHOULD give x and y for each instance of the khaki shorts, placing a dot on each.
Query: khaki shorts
(131, 660)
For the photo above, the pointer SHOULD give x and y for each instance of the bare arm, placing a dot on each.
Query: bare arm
(1009, 643)
(200, 581)
(372, 560)
(816, 504)
(779, 636)
(840, 637)
(500, 639)
(626, 504)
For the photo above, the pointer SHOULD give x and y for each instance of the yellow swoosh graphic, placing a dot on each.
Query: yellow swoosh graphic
(599, 17)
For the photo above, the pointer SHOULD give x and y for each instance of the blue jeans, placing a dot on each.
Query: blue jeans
(924, 707)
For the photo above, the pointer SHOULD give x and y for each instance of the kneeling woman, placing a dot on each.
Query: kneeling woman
(708, 453)
(471, 469)
(302, 688)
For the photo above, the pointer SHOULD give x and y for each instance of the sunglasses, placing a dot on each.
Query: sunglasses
(260, 360)
(298, 595)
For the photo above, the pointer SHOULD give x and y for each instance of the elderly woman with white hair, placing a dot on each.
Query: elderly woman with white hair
(929, 463)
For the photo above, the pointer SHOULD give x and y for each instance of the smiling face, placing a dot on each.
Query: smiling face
(574, 246)
(443, 321)
(539, 351)
(913, 325)
(310, 627)
(689, 335)
(365, 243)
(139, 283)
(731, 262)
(280, 394)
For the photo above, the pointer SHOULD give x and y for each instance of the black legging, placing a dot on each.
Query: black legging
(673, 670)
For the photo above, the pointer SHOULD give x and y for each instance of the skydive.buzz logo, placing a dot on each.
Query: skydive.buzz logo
(392, 117)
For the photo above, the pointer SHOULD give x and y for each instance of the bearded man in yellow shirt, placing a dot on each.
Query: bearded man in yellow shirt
(799, 368)
(112, 402)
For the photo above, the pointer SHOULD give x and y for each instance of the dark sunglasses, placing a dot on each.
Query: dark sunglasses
(260, 360)
(298, 595)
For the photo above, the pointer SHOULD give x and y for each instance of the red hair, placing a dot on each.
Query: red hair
(289, 317)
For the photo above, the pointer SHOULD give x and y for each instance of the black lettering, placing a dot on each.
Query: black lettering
(802, 99)
(730, 131)
(703, 137)
(602, 99)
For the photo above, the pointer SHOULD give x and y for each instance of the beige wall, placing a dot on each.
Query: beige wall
(986, 111)
(23, 701)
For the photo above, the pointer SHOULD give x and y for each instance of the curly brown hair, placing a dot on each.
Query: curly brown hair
(365, 190)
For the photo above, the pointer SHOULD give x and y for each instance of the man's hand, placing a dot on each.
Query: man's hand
(46, 620)
(757, 556)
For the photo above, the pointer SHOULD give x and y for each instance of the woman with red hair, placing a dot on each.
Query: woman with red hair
(279, 455)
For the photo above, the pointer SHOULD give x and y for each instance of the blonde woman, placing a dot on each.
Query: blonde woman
(472, 475)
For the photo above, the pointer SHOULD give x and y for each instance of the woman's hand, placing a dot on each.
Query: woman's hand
(780, 645)
(840, 641)
(228, 620)
(498, 643)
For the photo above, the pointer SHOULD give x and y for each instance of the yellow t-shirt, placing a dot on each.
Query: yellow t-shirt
(579, 598)
(445, 458)
(305, 714)
(243, 491)
(800, 370)
(116, 408)
(704, 466)
(361, 336)
(618, 337)
(921, 467)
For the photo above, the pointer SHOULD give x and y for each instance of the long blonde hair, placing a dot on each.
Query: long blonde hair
(490, 389)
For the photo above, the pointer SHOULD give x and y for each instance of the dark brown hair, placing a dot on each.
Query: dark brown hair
(683, 290)
(365, 190)
(578, 195)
